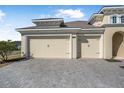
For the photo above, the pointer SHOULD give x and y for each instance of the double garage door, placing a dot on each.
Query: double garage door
(49, 47)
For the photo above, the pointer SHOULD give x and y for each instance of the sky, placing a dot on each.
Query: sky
(18, 16)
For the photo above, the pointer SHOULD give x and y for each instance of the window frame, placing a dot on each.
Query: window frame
(121, 19)
(114, 19)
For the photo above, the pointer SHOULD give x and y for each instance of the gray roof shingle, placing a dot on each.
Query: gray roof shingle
(79, 24)
(73, 24)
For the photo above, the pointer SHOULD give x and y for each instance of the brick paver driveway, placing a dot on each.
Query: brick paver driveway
(63, 73)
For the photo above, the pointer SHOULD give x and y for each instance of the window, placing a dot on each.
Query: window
(114, 19)
(122, 19)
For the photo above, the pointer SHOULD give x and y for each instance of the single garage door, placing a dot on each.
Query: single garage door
(49, 47)
(90, 47)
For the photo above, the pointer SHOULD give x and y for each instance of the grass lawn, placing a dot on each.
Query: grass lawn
(15, 56)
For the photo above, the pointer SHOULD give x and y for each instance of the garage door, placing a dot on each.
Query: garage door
(49, 47)
(90, 47)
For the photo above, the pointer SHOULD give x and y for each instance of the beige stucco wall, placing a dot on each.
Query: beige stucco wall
(23, 45)
(106, 20)
(74, 46)
(108, 34)
(97, 23)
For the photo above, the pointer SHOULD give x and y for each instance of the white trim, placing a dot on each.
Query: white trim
(61, 29)
(94, 29)
(120, 18)
(49, 35)
(91, 34)
(44, 20)
(117, 19)
(49, 29)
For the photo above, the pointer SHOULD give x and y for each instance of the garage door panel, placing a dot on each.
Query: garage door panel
(90, 48)
(49, 47)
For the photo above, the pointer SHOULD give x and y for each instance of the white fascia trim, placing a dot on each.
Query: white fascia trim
(45, 20)
(36, 20)
(49, 29)
(92, 34)
(49, 35)
(94, 29)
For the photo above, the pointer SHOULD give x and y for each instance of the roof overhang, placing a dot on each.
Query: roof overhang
(95, 16)
(110, 7)
(48, 22)
(53, 30)
(48, 29)
(60, 31)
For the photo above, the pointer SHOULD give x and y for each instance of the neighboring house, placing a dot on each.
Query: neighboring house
(100, 37)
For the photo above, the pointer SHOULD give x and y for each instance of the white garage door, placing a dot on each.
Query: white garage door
(90, 47)
(49, 47)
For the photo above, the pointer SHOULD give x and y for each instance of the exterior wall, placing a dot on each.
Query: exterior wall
(108, 34)
(106, 19)
(97, 23)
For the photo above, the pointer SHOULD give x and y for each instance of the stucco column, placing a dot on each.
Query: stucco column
(101, 46)
(25, 46)
(71, 47)
(74, 44)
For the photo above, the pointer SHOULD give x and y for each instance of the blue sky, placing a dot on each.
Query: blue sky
(12, 16)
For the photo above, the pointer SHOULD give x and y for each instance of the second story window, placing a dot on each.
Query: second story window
(114, 19)
(122, 19)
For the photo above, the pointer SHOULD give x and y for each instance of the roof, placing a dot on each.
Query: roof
(79, 24)
(111, 7)
(100, 12)
(73, 24)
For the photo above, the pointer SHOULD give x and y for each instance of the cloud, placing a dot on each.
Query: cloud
(7, 32)
(2, 14)
(70, 13)
(67, 14)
